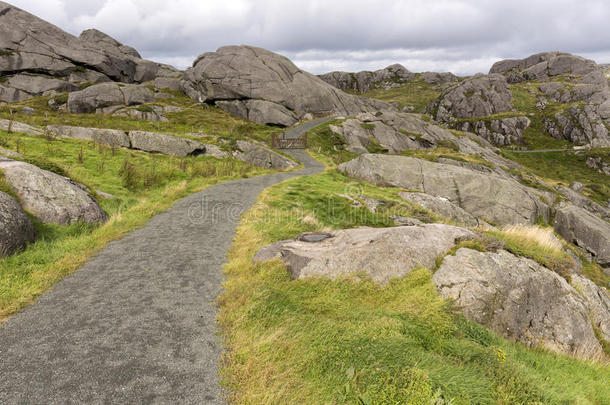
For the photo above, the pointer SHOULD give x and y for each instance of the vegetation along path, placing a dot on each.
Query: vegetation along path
(137, 323)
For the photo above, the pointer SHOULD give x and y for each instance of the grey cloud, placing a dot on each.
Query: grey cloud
(464, 36)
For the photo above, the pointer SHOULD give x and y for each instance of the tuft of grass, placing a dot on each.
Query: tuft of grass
(543, 237)
(538, 244)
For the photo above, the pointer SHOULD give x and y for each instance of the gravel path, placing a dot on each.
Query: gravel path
(137, 323)
(301, 129)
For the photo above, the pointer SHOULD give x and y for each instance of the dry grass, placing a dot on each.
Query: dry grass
(544, 237)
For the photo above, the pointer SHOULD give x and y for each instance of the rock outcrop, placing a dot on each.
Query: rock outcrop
(16, 126)
(584, 229)
(519, 299)
(391, 76)
(581, 125)
(37, 57)
(50, 197)
(597, 302)
(108, 98)
(466, 105)
(16, 228)
(110, 137)
(490, 197)
(166, 144)
(501, 131)
(441, 206)
(541, 66)
(234, 76)
(381, 253)
(397, 131)
(566, 79)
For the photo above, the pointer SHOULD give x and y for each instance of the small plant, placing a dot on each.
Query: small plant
(144, 108)
(499, 354)
(368, 127)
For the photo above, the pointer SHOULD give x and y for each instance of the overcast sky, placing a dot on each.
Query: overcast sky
(461, 36)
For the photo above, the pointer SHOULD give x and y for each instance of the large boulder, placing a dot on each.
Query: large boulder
(108, 98)
(31, 46)
(487, 196)
(584, 229)
(248, 73)
(16, 228)
(166, 144)
(16, 126)
(110, 137)
(519, 299)
(391, 76)
(381, 253)
(50, 197)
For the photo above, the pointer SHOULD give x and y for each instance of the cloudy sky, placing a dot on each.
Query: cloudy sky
(462, 36)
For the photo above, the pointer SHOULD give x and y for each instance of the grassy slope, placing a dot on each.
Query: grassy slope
(320, 341)
(144, 185)
(417, 94)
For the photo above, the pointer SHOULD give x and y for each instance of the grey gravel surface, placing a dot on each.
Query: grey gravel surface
(137, 324)
(295, 132)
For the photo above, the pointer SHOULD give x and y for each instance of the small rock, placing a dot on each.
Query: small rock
(28, 110)
(576, 186)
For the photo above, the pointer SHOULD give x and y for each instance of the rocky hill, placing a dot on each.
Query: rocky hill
(387, 78)
(428, 208)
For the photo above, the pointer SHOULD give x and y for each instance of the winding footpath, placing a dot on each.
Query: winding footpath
(137, 324)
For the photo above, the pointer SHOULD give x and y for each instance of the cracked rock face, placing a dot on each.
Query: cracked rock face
(584, 229)
(381, 253)
(487, 196)
(519, 299)
(459, 107)
(38, 57)
(16, 228)
(50, 197)
(235, 76)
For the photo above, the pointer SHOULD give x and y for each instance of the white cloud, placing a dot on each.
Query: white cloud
(464, 36)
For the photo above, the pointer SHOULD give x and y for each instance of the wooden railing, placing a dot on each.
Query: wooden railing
(280, 141)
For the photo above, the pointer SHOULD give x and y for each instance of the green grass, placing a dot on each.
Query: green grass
(524, 102)
(143, 184)
(417, 94)
(563, 168)
(318, 341)
(195, 118)
(328, 146)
